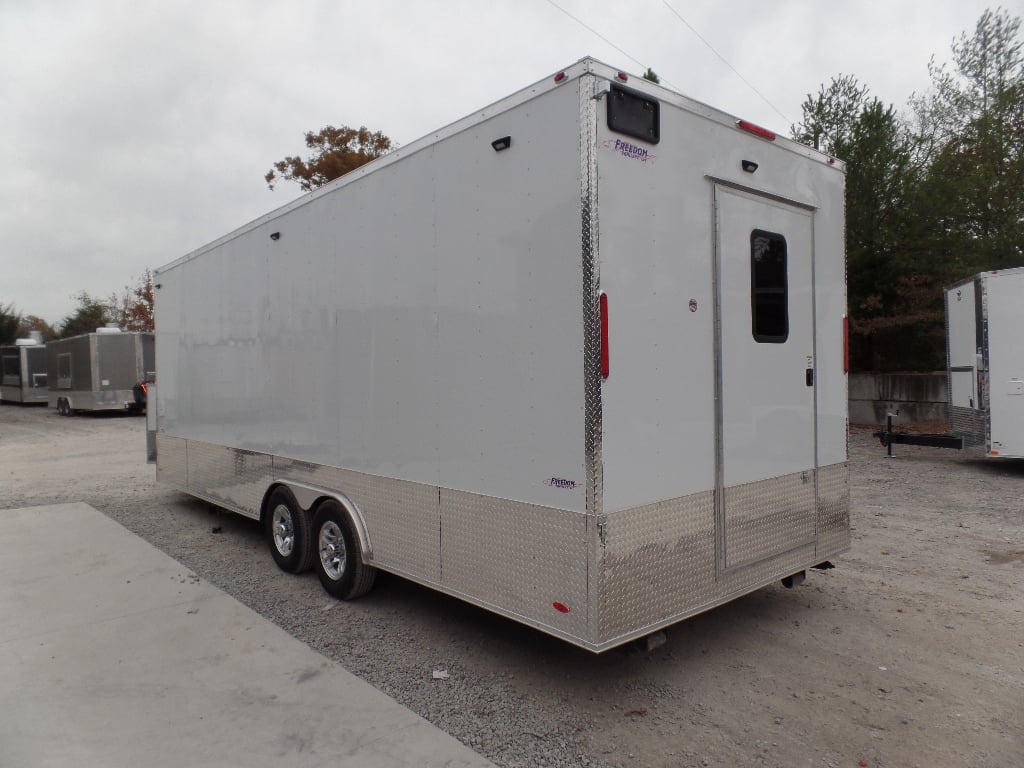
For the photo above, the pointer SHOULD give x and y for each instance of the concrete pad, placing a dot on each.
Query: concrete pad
(112, 653)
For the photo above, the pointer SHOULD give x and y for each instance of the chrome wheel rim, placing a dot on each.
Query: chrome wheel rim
(284, 529)
(331, 546)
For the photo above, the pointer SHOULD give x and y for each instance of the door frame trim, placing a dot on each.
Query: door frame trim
(719, 407)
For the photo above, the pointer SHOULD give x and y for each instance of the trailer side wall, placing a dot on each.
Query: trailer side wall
(413, 338)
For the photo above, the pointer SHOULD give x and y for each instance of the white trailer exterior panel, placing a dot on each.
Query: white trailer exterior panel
(984, 318)
(422, 341)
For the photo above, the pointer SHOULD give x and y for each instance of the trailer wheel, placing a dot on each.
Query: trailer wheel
(338, 561)
(287, 530)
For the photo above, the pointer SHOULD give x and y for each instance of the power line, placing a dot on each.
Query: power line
(725, 61)
(606, 40)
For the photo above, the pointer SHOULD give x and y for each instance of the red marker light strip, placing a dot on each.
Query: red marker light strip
(846, 344)
(605, 359)
(757, 130)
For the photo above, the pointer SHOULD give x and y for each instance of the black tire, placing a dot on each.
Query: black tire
(336, 556)
(287, 530)
(60, 406)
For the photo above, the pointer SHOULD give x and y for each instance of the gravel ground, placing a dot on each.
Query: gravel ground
(909, 653)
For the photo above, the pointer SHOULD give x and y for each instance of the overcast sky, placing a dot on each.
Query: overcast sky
(133, 132)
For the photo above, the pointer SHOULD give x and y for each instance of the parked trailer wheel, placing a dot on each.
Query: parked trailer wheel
(287, 530)
(338, 561)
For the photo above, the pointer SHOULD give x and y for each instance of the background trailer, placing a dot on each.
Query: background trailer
(97, 371)
(24, 372)
(577, 358)
(984, 322)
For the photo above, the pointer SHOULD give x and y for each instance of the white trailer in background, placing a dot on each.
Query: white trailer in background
(98, 371)
(577, 358)
(985, 338)
(23, 365)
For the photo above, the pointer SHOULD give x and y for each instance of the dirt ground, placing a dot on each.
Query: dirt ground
(909, 653)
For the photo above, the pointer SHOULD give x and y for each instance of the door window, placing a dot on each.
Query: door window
(769, 288)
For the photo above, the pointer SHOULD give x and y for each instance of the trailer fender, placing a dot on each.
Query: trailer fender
(308, 496)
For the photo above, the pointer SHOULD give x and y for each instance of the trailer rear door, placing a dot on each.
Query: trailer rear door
(765, 377)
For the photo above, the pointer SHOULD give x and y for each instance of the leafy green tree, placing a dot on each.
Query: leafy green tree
(829, 116)
(845, 121)
(90, 315)
(336, 151)
(971, 130)
(931, 203)
(9, 322)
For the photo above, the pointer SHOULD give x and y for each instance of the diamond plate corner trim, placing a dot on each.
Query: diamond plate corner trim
(591, 278)
(591, 291)
(833, 510)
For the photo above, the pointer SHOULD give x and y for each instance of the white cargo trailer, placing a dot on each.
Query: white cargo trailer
(24, 371)
(984, 321)
(578, 358)
(98, 371)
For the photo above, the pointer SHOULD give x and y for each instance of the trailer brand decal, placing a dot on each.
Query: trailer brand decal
(558, 482)
(632, 151)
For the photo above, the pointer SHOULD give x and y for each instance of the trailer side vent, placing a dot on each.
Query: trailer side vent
(634, 115)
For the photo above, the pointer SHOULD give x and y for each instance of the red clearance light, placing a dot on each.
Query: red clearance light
(560, 607)
(605, 360)
(560, 77)
(622, 76)
(757, 130)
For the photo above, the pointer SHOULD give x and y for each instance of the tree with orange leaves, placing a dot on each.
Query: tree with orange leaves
(336, 151)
